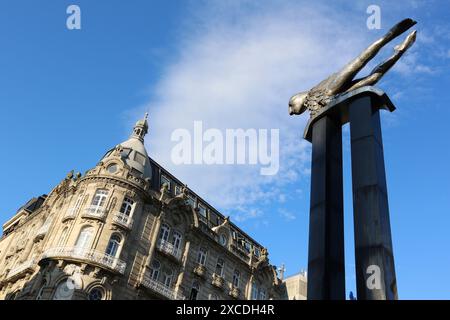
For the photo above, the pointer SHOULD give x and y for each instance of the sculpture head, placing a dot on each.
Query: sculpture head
(297, 103)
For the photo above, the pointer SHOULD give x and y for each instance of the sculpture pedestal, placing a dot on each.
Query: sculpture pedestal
(326, 263)
(375, 272)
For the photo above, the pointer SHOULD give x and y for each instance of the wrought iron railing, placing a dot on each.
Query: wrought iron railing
(94, 212)
(169, 248)
(162, 289)
(92, 256)
(123, 220)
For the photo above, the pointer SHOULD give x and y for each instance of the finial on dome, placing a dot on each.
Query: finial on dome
(141, 128)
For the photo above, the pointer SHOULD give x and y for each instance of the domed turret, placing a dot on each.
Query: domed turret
(133, 151)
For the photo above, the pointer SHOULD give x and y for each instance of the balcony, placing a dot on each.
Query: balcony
(234, 292)
(90, 256)
(42, 231)
(70, 214)
(169, 249)
(123, 220)
(162, 290)
(200, 270)
(217, 281)
(21, 269)
(94, 212)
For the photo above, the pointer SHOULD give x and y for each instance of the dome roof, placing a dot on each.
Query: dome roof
(133, 151)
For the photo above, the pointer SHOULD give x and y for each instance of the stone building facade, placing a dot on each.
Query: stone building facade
(296, 286)
(128, 229)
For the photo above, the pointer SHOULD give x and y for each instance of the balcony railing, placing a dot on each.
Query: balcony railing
(123, 220)
(94, 212)
(94, 257)
(162, 289)
(168, 248)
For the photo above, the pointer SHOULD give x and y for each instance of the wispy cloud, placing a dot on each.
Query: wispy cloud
(238, 65)
(287, 215)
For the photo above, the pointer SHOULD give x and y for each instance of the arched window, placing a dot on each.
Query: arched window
(84, 238)
(154, 270)
(236, 278)
(176, 240)
(127, 207)
(254, 291)
(213, 296)
(167, 280)
(219, 267)
(62, 237)
(262, 294)
(201, 258)
(63, 291)
(113, 245)
(99, 198)
(194, 291)
(96, 293)
(164, 233)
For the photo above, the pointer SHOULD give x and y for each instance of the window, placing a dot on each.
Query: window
(213, 296)
(112, 168)
(194, 291)
(236, 278)
(125, 152)
(190, 201)
(262, 294)
(164, 233)
(202, 210)
(219, 267)
(176, 240)
(113, 245)
(178, 190)
(139, 157)
(167, 279)
(223, 239)
(254, 291)
(165, 180)
(96, 294)
(154, 270)
(201, 258)
(99, 198)
(62, 237)
(127, 206)
(63, 291)
(84, 238)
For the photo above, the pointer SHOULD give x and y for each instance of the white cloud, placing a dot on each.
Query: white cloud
(286, 214)
(237, 68)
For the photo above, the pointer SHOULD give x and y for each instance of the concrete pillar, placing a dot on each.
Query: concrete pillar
(375, 272)
(326, 265)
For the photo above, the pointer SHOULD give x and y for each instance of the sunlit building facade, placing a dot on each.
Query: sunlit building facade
(128, 229)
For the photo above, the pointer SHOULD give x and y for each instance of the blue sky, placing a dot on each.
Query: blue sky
(68, 96)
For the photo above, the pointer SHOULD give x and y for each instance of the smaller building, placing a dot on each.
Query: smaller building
(296, 286)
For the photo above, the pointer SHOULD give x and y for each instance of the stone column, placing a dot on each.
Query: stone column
(375, 272)
(326, 265)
